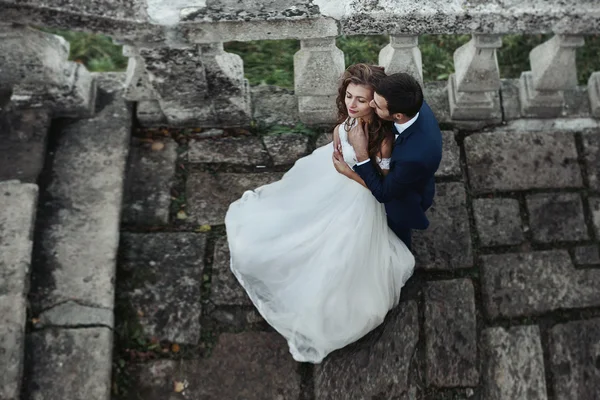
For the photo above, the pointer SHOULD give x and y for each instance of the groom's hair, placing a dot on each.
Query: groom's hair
(402, 92)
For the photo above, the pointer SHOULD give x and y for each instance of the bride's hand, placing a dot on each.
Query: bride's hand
(337, 144)
(358, 138)
(339, 163)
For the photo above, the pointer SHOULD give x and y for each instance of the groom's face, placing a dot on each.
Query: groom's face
(379, 103)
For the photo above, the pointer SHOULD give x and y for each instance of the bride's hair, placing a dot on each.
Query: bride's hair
(369, 76)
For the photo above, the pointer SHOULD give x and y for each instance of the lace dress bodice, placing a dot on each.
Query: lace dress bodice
(350, 154)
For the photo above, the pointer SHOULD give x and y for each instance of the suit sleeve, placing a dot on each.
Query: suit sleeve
(395, 183)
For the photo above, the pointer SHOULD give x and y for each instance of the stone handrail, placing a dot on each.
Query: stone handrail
(179, 73)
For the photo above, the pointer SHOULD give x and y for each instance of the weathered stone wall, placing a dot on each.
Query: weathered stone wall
(160, 22)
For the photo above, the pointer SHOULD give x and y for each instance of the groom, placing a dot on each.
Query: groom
(408, 189)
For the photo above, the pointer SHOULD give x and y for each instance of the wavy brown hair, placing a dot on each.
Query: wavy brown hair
(369, 76)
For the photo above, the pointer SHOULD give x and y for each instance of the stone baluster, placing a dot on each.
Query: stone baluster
(473, 88)
(594, 93)
(200, 86)
(139, 89)
(402, 54)
(553, 71)
(34, 66)
(227, 87)
(318, 66)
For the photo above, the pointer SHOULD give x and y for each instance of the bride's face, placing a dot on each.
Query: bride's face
(357, 101)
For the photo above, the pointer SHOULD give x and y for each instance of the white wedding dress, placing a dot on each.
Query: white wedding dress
(314, 253)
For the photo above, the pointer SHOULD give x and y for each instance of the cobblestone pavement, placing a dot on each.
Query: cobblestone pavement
(503, 305)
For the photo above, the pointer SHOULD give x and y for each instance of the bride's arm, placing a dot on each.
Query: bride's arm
(338, 160)
(337, 144)
(386, 152)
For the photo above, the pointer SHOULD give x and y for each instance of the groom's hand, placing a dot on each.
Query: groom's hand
(359, 139)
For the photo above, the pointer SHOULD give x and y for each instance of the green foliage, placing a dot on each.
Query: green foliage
(437, 53)
(513, 56)
(269, 62)
(96, 52)
(361, 49)
(588, 59)
(284, 130)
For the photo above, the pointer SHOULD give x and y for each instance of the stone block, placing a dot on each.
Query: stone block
(556, 217)
(586, 255)
(595, 212)
(254, 11)
(574, 355)
(73, 96)
(318, 66)
(137, 82)
(150, 176)
(18, 204)
(446, 244)
(31, 56)
(12, 344)
(537, 103)
(513, 364)
(209, 196)
(150, 114)
(70, 313)
(576, 103)
(69, 364)
(473, 105)
(249, 365)
(594, 94)
(244, 150)
(402, 54)
(285, 149)
(225, 288)
(511, 104)
(80, 213)
(261, 30)
(553, 63)
(166, 275)
(324, 139)
(272, 105)
(591, 156)
(239, 318)
(498, 221)
(451, 334)
(23, 144)
(375, 366)
(507, 161)
(436, 95)
(526, 284)
(450, 165)
(163, 64)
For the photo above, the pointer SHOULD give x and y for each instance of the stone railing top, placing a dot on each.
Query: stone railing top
(201, 21)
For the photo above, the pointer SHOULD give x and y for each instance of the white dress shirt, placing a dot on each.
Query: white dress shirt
(400, 128)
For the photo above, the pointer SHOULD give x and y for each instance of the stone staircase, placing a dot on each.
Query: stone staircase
(59, 343)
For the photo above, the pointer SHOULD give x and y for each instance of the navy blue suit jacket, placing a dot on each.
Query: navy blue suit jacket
(408, 189)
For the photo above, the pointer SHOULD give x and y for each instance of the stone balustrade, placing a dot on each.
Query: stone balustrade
(180, 75)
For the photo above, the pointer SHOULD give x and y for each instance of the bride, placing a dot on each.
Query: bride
(313, 250)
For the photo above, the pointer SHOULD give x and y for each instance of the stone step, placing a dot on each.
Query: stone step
(22, 143)
(17, 213)
(77, 235)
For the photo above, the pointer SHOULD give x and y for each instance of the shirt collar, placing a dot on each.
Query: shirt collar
(402, 127)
